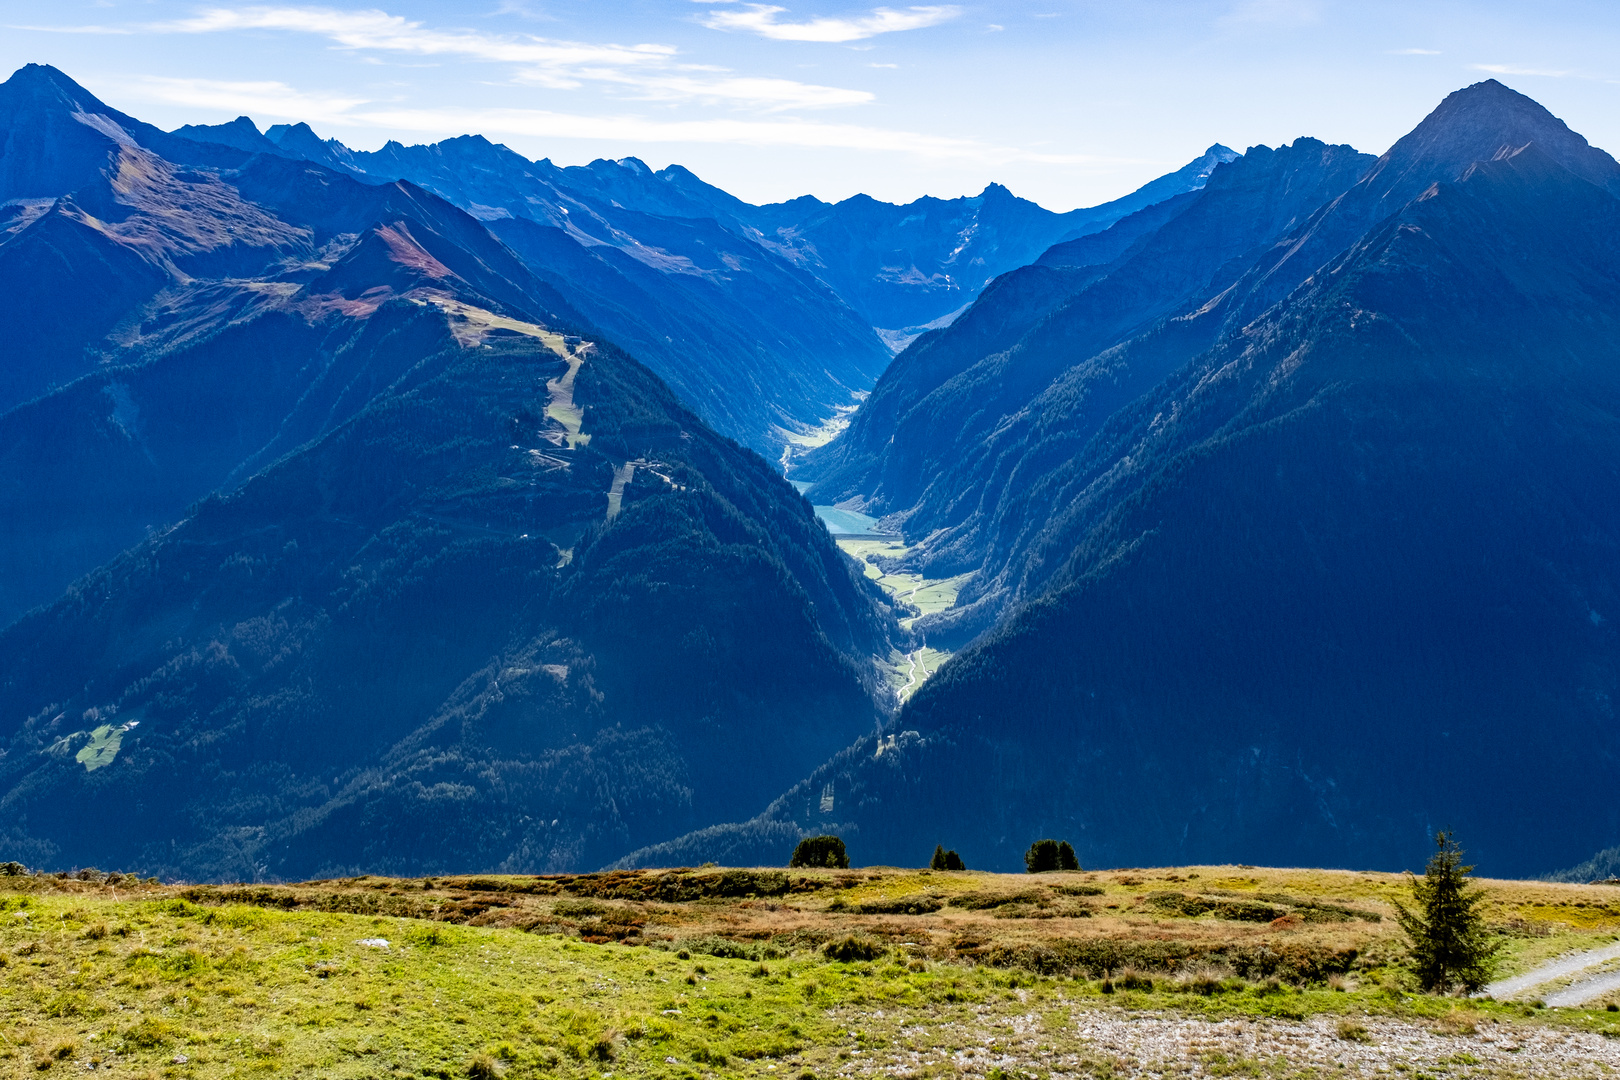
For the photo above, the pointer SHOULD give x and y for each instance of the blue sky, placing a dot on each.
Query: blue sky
(1068, 102)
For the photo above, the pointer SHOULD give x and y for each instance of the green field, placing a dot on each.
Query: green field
(927, 595)
(907, 671)
(102, 747)
(749, 974)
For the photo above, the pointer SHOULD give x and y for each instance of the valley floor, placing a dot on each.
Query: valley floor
(808, 975)
(907, 671)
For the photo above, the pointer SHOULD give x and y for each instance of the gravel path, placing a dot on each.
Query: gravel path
(1585, 990)
(1546, 973)
(1162, 1046)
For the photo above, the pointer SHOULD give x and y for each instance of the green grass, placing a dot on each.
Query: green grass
(925, 595)
(102, 747)
(140, 978)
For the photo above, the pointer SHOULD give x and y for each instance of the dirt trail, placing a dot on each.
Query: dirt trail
(1586, 990)
(1551, 972)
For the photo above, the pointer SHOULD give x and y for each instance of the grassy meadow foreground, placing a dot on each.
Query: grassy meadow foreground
(805, 974)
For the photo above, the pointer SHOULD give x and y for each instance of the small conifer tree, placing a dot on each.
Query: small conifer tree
(1450, 945)
(1065, 857)
(953, 861)
(938, 861)
(825, 851)
(1041, 857)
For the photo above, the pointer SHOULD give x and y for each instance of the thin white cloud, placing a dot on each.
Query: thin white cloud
(645, 71)
(762, 19)
(778, 132)
(394, 33)
(766, 93)
(73, 29)
(1519, 69)
(257, 99)
(1276, 12)
(278, 101)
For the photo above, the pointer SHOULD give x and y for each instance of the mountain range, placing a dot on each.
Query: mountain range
(721, 297)
(345, 529)
(424, 560)
(1292, 564)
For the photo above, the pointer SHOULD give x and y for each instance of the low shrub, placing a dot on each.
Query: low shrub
(850, 949)
(906, 905)
(1174, 903)
(1131, 979)
(1080, 890)
(979, 901)
(726, 949)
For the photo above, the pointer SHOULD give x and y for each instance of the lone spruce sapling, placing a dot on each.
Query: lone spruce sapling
(1450, 945)
(945, 860)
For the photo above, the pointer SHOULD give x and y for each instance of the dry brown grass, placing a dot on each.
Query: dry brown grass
(1316, 924)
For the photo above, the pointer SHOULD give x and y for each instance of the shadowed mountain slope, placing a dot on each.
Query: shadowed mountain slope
(915, 444)
(972, 440)
(372, 654)
(236, 301)
(1349, 576)
(402, 564)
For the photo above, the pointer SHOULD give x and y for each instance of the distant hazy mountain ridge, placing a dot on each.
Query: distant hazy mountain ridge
(720, 296)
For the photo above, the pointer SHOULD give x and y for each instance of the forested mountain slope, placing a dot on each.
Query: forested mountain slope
(928, 445)
(973, 438)
(421, 571)
(758, 346)
(1348, 576)
(232, 306)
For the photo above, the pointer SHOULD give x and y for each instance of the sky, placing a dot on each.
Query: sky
(1067, 102)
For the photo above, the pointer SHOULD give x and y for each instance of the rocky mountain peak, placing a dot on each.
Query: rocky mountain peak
(1477, 123)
